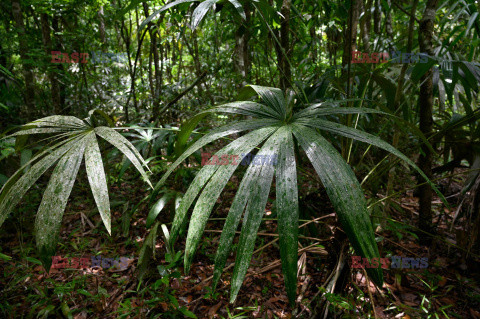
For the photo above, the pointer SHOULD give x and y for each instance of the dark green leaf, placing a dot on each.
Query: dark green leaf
(344, 192)
(54, 201)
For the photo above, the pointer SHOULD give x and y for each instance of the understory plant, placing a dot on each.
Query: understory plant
(73, 140)
(274, 128)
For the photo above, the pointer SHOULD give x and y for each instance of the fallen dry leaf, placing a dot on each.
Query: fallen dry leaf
(213, 311)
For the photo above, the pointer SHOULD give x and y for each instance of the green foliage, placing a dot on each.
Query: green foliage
(147, 250)
(275, 127)
(74, 140)
(159, 294)
(199, 12)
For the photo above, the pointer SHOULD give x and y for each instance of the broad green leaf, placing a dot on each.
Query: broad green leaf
(321, 111)
(239, 8)
(241, 145)
(273, 98)
(253, 214)
(469, 75)
(213, 189)
(157, 208)
(120, 142)
(287, 207)
(13, 191)
(33, 260)
(326, 105)
(244, 192)
(453, 124)
(187, 313)
(14, 178)
(190, 125)
(421, 68)
(156, 13)
(104, 115)
(44, 130)
(60, 121)
(344, 192)
(245, 108)
(185, 132)
(201, 11)
(117, 136)
(180, 219)
(54, 201)
(367, 138)
(147, 251)
(5, 257)
(242, 107)
(456, 39)
(97, 179)
(388, 87)
(166, 235)
(215, 134)
(3, 180)
(25, 157)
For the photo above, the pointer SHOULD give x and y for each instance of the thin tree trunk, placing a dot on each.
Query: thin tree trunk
(158, 75)
(199, 71)
(27, 67)
(150, 72)
(57, 44)
(377, 17)
(366, 25)
(131, 67)
(284, 57)
(101, 27)
(388, 22)
(3, 62)
(180, 63)
(47, 44)
(242, 37)
(350, 40)
(426, 121)
(350, 33)
(313, 51)
(398, 95)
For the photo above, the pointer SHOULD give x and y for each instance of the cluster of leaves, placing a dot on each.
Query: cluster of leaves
(73, 141)
(275, 126)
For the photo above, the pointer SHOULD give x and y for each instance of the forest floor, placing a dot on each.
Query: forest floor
(448, 287)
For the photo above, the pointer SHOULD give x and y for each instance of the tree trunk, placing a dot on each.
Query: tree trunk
(398, 97)
(366, 25)
(314, 44)
(350, 33)
(284, 57)
(242, 36)
(388, 21)
(426, 122)
(47, 44)
(57, 45)
(131, 67)
(156, 61)
(101, 27)
(377, 17)
(350, 40)
(24, 55)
